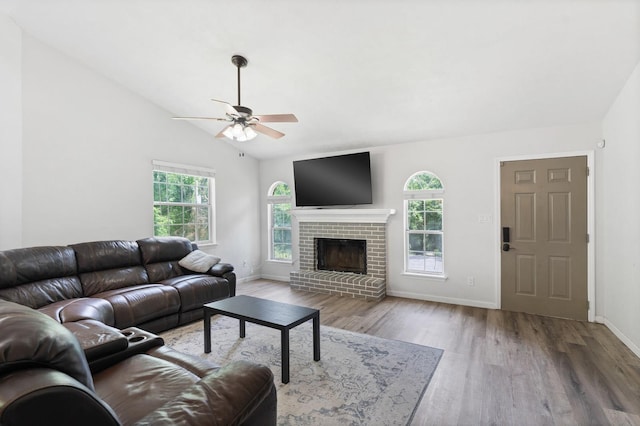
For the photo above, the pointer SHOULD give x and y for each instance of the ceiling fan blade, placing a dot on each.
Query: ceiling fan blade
(277, 118)
(201, 118)
(221, 134)
(267, 131)
(229, 109)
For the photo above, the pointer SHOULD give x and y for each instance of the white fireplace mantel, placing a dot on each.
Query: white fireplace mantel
(343, 215)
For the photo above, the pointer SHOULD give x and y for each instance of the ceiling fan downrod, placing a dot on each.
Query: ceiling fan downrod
(240, 62)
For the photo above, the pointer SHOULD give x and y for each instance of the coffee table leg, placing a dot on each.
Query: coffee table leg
(284, 344)
(316, 337)
(243, 329)
(207, 331)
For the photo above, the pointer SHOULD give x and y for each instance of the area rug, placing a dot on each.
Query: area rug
(360, 379)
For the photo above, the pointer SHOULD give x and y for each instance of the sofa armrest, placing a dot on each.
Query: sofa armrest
(228, 396)
(219, 269)
(41, 396)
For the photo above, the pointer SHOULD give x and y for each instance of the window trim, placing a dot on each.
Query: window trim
(198, 171)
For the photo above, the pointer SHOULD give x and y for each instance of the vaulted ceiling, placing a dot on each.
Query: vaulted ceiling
(356, 73)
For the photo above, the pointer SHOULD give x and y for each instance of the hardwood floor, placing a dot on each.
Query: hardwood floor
(498, 367)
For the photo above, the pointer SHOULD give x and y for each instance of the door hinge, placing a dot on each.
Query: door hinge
(588, 238)
(588, 171)
(588, 305)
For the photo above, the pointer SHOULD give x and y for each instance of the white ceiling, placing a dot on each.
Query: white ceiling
(356, 73)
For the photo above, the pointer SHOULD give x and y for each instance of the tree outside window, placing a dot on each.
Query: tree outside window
(424, 225)
(279, 200)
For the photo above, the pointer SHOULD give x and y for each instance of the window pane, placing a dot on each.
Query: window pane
(416, 221)
(175, 214)
(423, 181)
(433, 205)
(416, 205)
(282, 236)
(202, 215)
(282, 251)
(416, 242)
(203, 194)
(189, 194)
(174, 193)
(160, 231)
(175, 230)
(281, 189)
(434, 243)
(416, 261)
(203, 233)
(159, 176)
(434, 221)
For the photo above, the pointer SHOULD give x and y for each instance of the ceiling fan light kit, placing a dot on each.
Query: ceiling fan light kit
(245, 126)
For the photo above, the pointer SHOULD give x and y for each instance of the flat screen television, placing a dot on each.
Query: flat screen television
(333, 181)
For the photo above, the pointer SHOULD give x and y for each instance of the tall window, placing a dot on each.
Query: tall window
(183, 202)
(279, 200)
(423, 205)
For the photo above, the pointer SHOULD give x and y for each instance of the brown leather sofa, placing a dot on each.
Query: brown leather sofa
(87, 373)
(119, 283)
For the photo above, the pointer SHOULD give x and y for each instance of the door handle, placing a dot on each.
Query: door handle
(506, 247)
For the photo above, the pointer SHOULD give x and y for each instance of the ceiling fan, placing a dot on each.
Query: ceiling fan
(245, 126)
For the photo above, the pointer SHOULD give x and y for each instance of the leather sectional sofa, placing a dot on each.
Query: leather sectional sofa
(119, 283)
(77, 344)
(86, 373)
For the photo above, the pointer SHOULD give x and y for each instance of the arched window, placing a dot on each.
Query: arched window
(424, 231)
(279, 201)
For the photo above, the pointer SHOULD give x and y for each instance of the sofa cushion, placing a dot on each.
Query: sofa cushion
(38, 276)
(109, 265)
(198, 261)
(83, 308)
(160, 256)
(196, 290)
(142, 303)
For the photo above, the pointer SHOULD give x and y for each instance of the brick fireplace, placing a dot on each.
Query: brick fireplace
(367, 225)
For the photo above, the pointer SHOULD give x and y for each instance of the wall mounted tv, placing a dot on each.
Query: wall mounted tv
(333, 181)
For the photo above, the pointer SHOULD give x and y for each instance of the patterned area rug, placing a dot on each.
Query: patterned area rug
(360, 379)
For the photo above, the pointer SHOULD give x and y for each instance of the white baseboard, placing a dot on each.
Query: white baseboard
(449, 300)
(283, 278)
(247, 278)
(620, 335)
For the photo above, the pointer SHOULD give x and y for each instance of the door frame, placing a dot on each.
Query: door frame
(591, 285)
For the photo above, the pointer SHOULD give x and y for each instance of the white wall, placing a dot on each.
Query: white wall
(618, 249)
(88, 144)
(10, 134)
(467, 167)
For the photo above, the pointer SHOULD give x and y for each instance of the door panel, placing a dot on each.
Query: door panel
(544, 269)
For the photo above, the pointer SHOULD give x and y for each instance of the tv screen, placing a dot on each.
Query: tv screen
(333, 181)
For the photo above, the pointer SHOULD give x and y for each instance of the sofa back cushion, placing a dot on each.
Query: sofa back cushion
(160, 256)
(109, 265)
(31, 339)
(38, 276)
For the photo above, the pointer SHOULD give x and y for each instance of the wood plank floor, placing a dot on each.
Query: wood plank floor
(499, 367)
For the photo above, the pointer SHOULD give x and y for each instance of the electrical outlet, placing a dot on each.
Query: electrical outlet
(471, 281)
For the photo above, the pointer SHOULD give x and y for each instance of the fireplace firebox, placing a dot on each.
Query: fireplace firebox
(341, 255)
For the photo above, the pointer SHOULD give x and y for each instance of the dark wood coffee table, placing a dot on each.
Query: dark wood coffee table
(281, 316)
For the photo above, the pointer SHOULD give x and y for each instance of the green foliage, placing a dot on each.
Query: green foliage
(423, 181)
(281, 189)
(181, 206)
